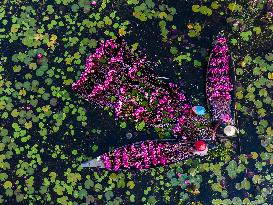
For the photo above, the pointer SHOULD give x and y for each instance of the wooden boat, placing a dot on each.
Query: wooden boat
(220, 90)
(143, 155)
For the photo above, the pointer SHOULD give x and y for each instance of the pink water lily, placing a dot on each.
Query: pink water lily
(226, 118)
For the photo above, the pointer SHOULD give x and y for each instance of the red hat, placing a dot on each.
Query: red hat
(200, 145)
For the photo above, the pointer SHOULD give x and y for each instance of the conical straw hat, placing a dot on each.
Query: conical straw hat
(230, 130)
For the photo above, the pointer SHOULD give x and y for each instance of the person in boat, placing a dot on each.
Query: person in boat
(201, 148)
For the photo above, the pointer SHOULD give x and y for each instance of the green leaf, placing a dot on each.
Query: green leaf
(9, 192)
(131, 184)
(109, 195)
(231, 169)
(264, 123)
(246, 35)
(150, 3)
(98, 187)
(239, 95)
(95, 148)
(234, 41)
(140, 126)
(257, 179)
(132, 2)
(215, 5)
(83, 194)
(123, 124)
(197, 63)
(173, 50)
(269, 56)
(256, 71)
(239, 71)
(17, 68)
(263, 92)
(92, 43)
(107, 20)
(50, 9)
(40, 72)
(7, 184)
(245, 184)
(195, 8)
(217, 187)
(258, 103)
(113, 176)
(75, 8)
(88, 184)
(257, 30)
(205, 10)
(132, 198)
(3, 176)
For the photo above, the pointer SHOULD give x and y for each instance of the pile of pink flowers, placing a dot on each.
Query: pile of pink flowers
(219, 84)
(147, 154)
(116, 77)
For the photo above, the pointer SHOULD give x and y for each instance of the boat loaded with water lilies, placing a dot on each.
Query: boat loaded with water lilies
(124, 82)
(220, 87)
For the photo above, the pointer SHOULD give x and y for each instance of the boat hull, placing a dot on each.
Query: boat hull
(220, 80)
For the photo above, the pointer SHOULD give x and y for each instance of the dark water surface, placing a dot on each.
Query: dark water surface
(99, 132)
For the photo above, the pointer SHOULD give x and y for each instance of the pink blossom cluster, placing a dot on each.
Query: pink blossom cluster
(125, 158)
(152, 152)
(106, 161)
(219, 84)
(159, 150)
(145, 155)
(117, 160)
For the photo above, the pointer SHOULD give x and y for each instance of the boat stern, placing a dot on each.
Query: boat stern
(95, 163)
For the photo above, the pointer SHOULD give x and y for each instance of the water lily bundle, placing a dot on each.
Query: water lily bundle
(219, 84)
(123, 80)
(147, 154)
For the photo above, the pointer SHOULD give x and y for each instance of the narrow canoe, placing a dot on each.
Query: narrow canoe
(220, 85)
(144, 155)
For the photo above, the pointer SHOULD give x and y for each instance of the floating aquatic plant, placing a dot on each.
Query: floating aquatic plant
(32, 166)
